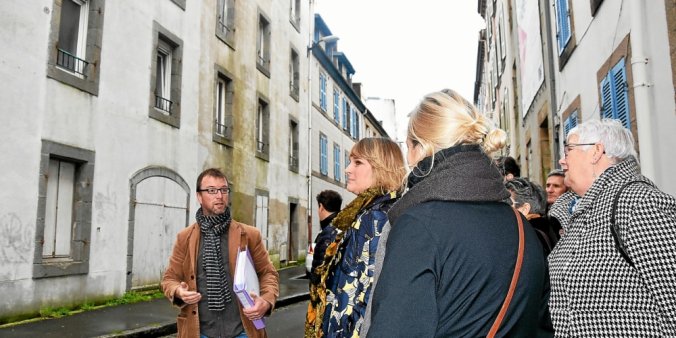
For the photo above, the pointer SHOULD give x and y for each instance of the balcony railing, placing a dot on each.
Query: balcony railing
(223, 128)
(293, 87)
(293, 161)
(163, 104)
(262, 60)
(223, 27)
(261, 147)
(71, 62)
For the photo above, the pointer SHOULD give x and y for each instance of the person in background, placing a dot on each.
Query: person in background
(329, 203)
(508, 167)
(529, 198)
(555, 186)
(338, 303)
(199, 277)
(451, 253)
(613, 279)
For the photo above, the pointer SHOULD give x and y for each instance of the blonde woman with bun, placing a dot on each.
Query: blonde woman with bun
(452, 247)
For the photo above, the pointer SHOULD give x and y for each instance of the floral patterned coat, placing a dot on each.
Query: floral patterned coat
(349, 265)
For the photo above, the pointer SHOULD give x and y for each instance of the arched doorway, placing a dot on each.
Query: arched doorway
(159, 209)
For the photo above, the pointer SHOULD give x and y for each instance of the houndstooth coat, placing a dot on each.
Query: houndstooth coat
(595, 292)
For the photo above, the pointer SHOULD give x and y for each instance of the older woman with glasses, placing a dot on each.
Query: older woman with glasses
(614, 272)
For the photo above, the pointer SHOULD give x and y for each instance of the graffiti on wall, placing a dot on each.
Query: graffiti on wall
(16, 240)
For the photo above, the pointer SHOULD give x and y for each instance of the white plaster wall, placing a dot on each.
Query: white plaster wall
(114, 124)
(597, 37)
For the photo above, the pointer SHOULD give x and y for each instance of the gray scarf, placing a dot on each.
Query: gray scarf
(218, 288)
(462, 173)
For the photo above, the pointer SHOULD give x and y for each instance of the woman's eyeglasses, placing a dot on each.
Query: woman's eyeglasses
(568, 146)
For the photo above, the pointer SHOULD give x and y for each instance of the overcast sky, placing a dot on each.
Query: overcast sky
(403, 50)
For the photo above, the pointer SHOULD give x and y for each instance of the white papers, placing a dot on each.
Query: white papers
(246, 282)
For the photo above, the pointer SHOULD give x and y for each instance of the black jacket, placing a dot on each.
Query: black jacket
(325, 237)
(451, 255)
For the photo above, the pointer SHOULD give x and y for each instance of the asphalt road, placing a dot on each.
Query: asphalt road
(287, 322)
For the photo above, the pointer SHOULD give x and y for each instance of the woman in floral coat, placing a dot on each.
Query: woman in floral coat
(338, 302)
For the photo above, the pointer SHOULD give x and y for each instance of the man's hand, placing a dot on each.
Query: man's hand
(260, 308)
(188, 297)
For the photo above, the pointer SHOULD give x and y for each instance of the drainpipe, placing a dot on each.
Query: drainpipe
(640, 69)
(554, 114)
(311, 45)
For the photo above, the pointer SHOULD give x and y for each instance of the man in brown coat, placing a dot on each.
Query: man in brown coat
(199, 278)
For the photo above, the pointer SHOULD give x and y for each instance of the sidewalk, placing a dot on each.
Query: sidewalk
(146, 319)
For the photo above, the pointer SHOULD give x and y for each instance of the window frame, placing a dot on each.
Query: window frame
(564, 48)
(225, 27)
(78, 260)
(294, 74)
(614, 90)
(294, 144)
(262, 136)
(263, 44)
(322, 91)
(323, 155)
(92, 23)
(163, 39)
(224, 96)
(336, 162)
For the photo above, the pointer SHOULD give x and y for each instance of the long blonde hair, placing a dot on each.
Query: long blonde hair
(444, 119)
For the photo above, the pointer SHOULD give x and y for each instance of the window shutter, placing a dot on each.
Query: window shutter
(620, 93)
(563, 24)
(606, 98)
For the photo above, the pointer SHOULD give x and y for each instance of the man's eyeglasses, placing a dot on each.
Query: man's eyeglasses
(568, 146)
(214, 191)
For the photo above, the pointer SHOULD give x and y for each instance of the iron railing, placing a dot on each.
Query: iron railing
(163, 104)
(71, 62)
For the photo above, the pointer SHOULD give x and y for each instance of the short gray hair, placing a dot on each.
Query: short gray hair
(617, 140)
(529, 192)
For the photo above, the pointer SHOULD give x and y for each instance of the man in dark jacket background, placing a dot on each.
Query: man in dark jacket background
(329, 203)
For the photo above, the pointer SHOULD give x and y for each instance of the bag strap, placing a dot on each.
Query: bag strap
(515, 279)
(614, 230)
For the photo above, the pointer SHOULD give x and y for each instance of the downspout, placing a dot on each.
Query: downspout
(642, 86)
(310, 47)
(554, 114)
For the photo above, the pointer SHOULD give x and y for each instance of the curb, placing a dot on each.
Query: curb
(170, 327)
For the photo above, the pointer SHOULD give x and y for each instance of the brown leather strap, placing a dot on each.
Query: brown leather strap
(515, 279)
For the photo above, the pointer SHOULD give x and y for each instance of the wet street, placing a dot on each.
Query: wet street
(286, 322)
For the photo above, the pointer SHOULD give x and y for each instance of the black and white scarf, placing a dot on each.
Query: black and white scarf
(218, 288)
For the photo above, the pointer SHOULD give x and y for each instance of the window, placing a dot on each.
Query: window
(262, 129)
(614, 95)
(354, 123)
(336, 162)
(293, 145)
(225, 23)
(63, 228)
(262, 211)
(163, 77)
(322, 91)
(323, 155)
(166, 77)
(72, 44)
(346, 118)
(223, 107)
(75, 43)
(570, 123)
(263, 45)
(562, 24)
(347, 162)
(336, 106)
(294, 13)
(294, 76)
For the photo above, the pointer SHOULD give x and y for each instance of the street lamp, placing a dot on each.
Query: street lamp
(322, 40)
